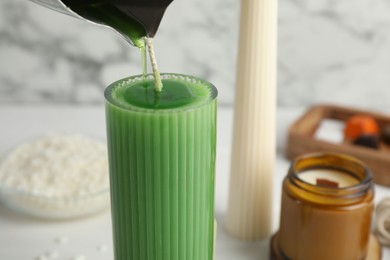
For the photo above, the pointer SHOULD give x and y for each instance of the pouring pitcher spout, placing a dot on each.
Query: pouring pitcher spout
(132, 19)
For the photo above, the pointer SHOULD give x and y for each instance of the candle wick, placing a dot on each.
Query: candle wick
(153, 61)
(327, 183)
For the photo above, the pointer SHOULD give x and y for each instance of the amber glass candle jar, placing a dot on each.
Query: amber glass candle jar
(327, 206)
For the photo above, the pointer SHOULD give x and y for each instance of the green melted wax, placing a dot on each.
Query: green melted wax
(176, 94)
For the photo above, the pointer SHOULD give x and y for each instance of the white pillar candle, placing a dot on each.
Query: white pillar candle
(253, 154)
(342, 179)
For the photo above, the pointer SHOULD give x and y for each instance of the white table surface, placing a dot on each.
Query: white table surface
(24, 238)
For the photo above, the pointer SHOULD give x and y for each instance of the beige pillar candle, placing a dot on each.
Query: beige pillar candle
(253, 155)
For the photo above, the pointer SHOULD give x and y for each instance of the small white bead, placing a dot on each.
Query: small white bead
(62, 240)
(79, 257)
(52, 254)
(102, 248)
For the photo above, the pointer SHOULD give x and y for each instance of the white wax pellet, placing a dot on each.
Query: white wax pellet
(102, 248)
(79, 257)
(62, 240)
(52, 254)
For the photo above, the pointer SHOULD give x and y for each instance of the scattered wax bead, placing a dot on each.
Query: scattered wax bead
(52, 254)
(62, 240)
(79, 257)
(102, 248)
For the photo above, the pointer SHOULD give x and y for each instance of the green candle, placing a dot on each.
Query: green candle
(162, 165)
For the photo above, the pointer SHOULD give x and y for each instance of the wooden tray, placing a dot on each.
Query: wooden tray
(301, 139)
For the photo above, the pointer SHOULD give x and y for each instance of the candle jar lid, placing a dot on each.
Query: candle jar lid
(329, 195)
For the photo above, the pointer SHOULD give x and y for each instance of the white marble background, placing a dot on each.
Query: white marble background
(329, 51)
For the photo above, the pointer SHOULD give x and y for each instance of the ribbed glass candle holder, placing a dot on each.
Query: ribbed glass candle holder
(162, 165)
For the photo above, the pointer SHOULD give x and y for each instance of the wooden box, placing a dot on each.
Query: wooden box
(301, 139)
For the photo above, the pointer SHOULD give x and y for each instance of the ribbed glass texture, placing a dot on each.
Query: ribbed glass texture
(162, 165)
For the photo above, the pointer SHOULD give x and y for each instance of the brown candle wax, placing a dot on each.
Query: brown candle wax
(325, 222)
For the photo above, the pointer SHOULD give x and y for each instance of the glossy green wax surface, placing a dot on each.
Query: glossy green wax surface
(176, 93)
(162, 165)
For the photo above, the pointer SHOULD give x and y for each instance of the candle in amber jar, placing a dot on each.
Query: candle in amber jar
(327, 205)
